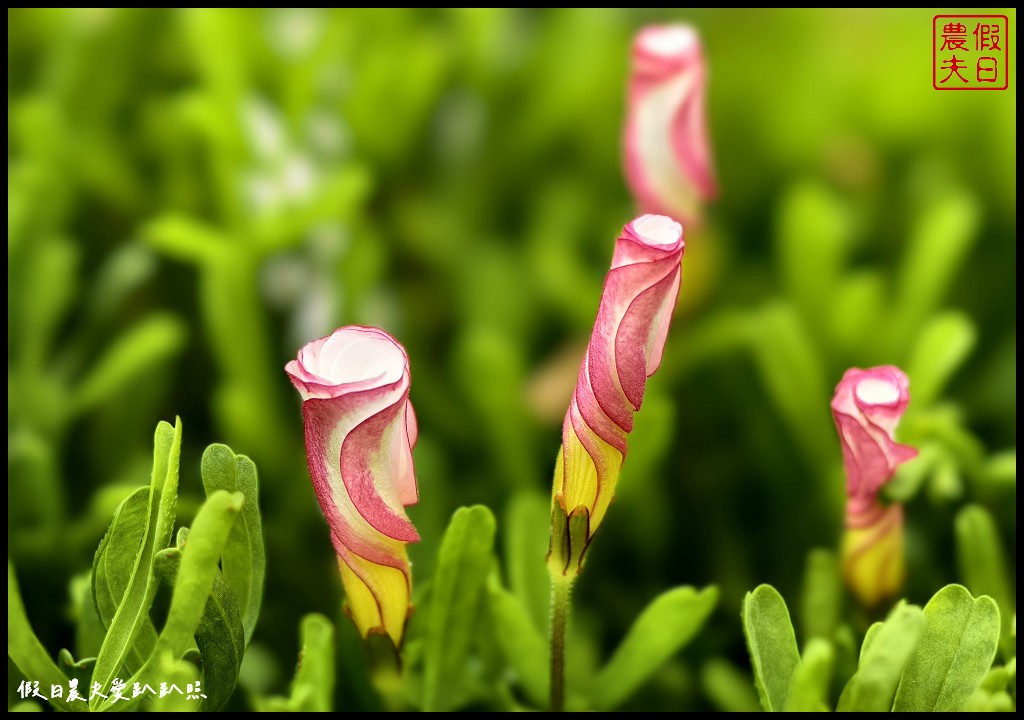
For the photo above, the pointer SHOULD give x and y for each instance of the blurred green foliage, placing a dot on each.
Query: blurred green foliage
(194, 194)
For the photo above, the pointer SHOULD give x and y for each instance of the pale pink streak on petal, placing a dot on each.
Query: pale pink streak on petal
(371, 479)
(408, 491)
(640, 342)
(349, 530)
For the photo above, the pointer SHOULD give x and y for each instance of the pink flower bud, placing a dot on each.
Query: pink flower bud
(867, 406)
(625, 349)
(668, 155)
(360, 431)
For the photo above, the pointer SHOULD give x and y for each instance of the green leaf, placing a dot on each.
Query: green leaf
(955, 652)
(983, 563)
(313, 686)
(194, 582)
(996, 679)
(845, 646)
(944, 343)
(808, 690)
(154, 339)
(24, 648)
(89, 630)
(728, 689)
(198, 569)
(177, 673)
(183, 238)
(947, 224)
(112, 569)
(772, 645)
(26, 706)
(822, 594)
(244, 560)
(524, 647)
(527, 526)
(985, 701)
(665, 625)
(791, 370)
(133, 612)
(220, 636)
(37, 525)
(885, 653)
(47, 287)
(860, 302)
(813, 231)
(463, 562)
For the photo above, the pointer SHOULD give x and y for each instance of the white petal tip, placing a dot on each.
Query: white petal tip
(668, 40)
(657, 230)
(877, 391)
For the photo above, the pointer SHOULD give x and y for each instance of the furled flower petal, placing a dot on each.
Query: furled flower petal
(667, 152)
(360, 430)
(625, 349)
(866, 407)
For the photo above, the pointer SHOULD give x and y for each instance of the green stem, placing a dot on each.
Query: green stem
(561, 590)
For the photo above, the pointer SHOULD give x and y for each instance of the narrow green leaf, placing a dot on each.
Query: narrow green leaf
(813, 231)
(808, 690)
(983, 563)
(133, 612)
(886, 651)
(860, 302)
(869, 637)
(524, 647)
(1001, 471)
(665, 625)
(527, 527)
(194, 582)
(47, 287)
(244, 560)
(89, 630)
(822, 594)
(948, 223)
(24, 648)
(112, 569)
(463, 562)
(772, 645)
(313, 686)
(154, 339)
(220, 636)
(945, 342)
(959, 642)
(844, 644)
(728, 689)
(198, 570)
(37, 525)
(186, 239)
(791, 370)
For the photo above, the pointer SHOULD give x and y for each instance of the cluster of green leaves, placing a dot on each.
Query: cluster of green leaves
(215, 571)
(936, 659)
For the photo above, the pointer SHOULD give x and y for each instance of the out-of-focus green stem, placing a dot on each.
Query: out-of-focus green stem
(561, 592)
